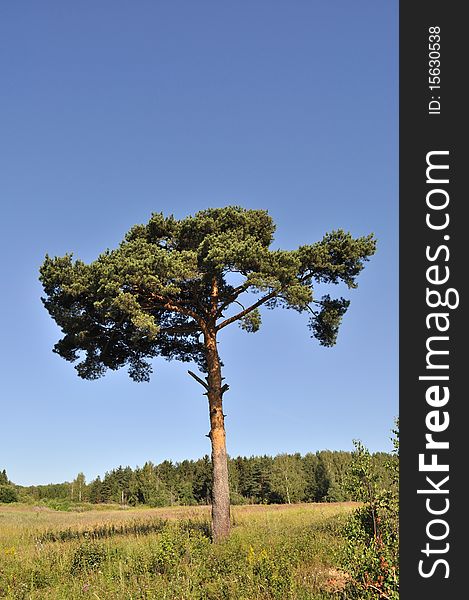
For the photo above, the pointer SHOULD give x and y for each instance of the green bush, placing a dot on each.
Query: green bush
(87, 557)
(371, 556)
(169, 552)
(8, 494)
(236, 498)
(272, 574)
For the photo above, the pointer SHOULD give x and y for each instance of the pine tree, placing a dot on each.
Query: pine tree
(4, 478)
(95, 494)
(168, 291)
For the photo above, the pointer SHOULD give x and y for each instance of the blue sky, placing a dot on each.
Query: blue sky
(113, 109)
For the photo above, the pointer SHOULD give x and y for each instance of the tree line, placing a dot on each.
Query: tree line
(286, 478)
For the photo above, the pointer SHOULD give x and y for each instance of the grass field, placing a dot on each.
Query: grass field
(274, 552)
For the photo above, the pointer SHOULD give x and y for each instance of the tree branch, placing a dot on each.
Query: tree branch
(181, 329)
(307, 306)
(380, 592)
(174, 306)
(236, 292)
(198, 379)
(246, 311)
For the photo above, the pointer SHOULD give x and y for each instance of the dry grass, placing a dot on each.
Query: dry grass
(275, 552)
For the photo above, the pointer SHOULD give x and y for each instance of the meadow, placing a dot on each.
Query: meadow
(275, 552)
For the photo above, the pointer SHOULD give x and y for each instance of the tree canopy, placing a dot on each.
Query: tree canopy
(153, 296)
(172, 285)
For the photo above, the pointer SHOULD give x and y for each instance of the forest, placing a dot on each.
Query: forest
(283, 479)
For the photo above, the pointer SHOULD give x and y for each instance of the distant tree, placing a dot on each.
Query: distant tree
(8, 494)
(56, 491)
(172, 286)
(151, 489)
(95, 491)
(250, 478)
(248, 483)
(262, 476)
(184, 482)
(337, 468)
(117, 485)
(288, 481)
(183, 493)
(310, 465)
(78, 487)
(106, 488)
(202, 485)
(4, 478)
(244, 479)
(121, 484)
(322, 480)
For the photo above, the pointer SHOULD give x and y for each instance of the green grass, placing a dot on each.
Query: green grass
(273, 553)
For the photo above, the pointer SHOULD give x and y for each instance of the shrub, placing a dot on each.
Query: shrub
(87, 557)
(236, 498)
(8, 494)
(272, 574)
(371, 556)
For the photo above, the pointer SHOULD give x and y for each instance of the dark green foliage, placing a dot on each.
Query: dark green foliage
(325, 324)
(310, 466)
(87, 557)
(8, 494)
(4, 478)
(250, 478)
(202, 480)
(55, 491)
(322, 481)
(149, 297)
(95, 493)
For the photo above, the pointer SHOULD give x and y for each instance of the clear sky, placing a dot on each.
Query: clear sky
(112, 109)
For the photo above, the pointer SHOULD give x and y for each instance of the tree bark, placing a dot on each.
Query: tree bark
(220, 484)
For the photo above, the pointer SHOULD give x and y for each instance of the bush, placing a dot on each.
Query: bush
(56, 504)
(271, 573)
(87, 557)
(8, 494)
(372, 555)
(237, 499)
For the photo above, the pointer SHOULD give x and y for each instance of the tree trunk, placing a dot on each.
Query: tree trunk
(220, 485)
